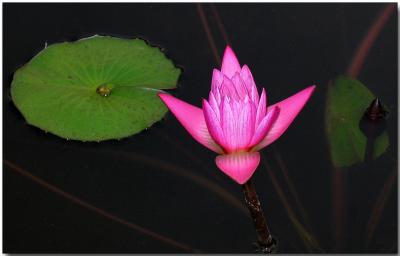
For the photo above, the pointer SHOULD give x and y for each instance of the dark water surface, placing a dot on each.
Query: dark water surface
(165, 182)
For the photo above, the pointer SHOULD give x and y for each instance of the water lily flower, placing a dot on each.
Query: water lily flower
(235, 121)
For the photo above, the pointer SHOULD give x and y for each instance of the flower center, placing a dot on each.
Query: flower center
(104, 90)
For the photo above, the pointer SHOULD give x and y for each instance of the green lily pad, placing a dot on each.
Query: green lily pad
(94, 89)
(347, 101)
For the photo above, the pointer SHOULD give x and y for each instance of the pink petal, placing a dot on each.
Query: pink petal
(228, 125)
(261, 108)
(240, 86)
(214, 105)
(216, 81)
(289, 109)
(245, 125)
(230, 64)
(213, 123)
(227, 88)
(249, 81)
(192, 118)
(264, 126)
(240, 166)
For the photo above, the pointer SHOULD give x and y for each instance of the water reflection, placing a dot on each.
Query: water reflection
(347, 101)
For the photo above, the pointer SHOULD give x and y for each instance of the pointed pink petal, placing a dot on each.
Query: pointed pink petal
(214, 105)
(227, 88)
(264, 126)
(228, 125)
(192, 118)
(230, 64)
(213, 123)
(216, 81)
(240, 166)
(240, 86)
(245, 125)
(289, 109)
(262, 107)
(250, 84)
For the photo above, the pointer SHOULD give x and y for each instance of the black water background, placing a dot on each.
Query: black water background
(287, 47)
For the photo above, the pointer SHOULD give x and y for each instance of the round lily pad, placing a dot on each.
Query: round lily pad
(94, 89)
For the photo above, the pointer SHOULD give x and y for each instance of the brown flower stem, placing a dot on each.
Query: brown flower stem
(265, 243)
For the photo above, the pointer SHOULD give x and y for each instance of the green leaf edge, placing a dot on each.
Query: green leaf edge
(177, 68)
(379, 143)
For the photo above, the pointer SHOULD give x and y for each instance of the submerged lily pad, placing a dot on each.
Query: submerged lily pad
(94, 89)
(346, 103)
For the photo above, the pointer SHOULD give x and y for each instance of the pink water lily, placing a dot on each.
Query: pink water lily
(235, 121)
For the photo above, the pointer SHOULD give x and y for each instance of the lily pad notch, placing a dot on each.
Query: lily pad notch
(94, 89)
